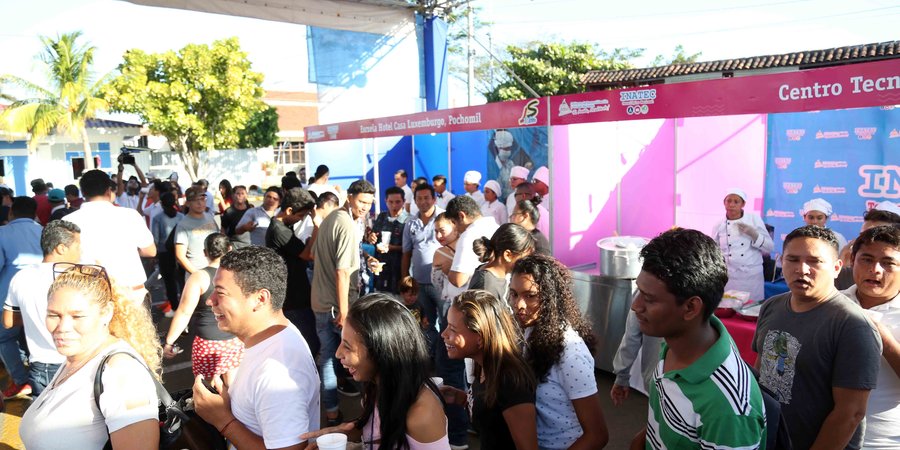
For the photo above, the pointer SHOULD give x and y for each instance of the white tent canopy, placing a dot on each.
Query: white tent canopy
(368, 16)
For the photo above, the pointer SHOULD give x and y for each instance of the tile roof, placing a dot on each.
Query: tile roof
(604, 79)
(104, 123)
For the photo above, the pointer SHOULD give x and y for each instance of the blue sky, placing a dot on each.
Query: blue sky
(718, 29)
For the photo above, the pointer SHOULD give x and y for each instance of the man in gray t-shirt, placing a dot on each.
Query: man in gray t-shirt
(192, 231)
(817, 351)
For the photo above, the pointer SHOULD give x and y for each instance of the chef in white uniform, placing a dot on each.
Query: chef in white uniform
(817, 212)
(517, 176)
(743, 238)
(471, 182)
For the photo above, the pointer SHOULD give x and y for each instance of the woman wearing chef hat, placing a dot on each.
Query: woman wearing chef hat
(743, 238)
(817, 212)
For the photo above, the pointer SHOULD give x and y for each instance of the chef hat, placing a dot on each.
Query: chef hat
(473, 176)
(542, 175)
(519, 172)
(503, 139)
(740, 193)
(494, 186)
(888, 206)
(817, 204)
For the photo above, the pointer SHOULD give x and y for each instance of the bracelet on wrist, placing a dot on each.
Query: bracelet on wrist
(222, 431)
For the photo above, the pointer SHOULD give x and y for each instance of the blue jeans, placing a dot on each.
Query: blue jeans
(453, 371)
(12, 345)
(41, 374)
(429, 297)
(329, 340)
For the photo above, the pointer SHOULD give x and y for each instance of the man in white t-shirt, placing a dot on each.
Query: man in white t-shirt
(471, 225)
(273, 397)
(26, 302)
(128, 193)
(876, 272)
(113, 237)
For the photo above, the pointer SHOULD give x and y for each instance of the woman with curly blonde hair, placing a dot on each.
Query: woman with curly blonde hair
(501, 400)
(90, 319)
(559, 349)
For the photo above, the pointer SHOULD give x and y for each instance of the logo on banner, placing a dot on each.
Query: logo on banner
(636, 110)
(583, 107)
(830, 164)
(779, 213)
(639, 97)
(894, 134)
(332, 131)
(795, 135)
(845, 218)
(530, 112)
(316, 135)
(832, 134)
(829, 190)
(879, 181)
(792, 188)
(865, 134)
(783, 163)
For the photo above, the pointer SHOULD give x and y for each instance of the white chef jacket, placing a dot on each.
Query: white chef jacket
(743, 256)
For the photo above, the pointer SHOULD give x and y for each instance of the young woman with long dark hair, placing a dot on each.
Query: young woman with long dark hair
(383, 347)
(501, 400)
(499, 252)
(559, 345)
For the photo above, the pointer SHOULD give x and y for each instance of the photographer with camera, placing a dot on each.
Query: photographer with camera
(127, 194)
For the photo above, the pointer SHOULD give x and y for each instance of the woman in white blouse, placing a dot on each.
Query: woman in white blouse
(89, 319)
(743, 239)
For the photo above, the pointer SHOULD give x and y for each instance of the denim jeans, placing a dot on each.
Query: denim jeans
(12, 353)
(453, 371)
(429, 297)
(329, 339)
(41, 374)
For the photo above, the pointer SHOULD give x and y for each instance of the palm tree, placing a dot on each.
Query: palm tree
(72, 99)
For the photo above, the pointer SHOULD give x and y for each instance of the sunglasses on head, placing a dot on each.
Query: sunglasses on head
(91, 270)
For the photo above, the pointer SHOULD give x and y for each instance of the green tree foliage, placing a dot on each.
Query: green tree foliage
(680, 57)
(555, 68)
(70, 100)
(261, 131)
(199, 98)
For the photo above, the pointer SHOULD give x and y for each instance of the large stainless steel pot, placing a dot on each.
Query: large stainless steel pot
(620, 256)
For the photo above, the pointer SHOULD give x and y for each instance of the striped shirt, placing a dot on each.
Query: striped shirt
(715, 403)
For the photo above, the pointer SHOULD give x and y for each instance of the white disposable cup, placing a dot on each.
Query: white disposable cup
(385, 237)
(332, 441)
(438, 381)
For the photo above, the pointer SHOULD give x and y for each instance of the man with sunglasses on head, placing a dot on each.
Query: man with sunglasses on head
(26, 303)
(113, 237)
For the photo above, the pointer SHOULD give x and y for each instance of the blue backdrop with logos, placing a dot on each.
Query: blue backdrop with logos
(847, 157)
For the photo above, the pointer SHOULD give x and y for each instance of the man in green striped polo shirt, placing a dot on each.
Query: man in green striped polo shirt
(703, 395)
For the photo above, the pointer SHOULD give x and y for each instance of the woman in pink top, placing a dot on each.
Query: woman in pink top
(381, 341)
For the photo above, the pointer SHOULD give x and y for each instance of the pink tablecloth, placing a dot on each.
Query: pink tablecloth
(742, 333)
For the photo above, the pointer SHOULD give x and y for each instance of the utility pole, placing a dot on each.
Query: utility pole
(471, 77)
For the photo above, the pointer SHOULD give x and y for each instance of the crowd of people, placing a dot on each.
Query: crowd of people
(446, 313)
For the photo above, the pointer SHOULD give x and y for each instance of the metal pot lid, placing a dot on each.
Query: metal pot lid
(623, 243)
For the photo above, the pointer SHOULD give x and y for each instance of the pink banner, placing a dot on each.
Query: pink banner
(519, 113)
(849, 86)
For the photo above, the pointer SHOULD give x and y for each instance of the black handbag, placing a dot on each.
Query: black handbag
(171, 414)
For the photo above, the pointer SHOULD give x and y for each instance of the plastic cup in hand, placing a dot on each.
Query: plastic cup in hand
(438, 381)
(377, 267)
(332, 441)
(385, 237)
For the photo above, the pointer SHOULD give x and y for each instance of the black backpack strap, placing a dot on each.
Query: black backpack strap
(161, 391)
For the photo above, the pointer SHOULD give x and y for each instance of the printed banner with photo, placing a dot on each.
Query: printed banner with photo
(847, 157)
(510, 147)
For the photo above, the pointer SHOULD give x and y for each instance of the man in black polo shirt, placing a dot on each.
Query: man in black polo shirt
(296, 204)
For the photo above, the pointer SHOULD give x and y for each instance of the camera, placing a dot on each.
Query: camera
(126, 158)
